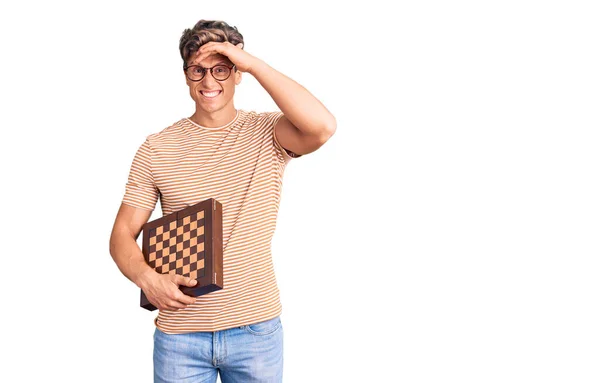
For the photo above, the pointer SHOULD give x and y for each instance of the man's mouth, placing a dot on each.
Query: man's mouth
(210, 94)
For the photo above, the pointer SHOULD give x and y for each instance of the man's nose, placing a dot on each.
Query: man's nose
(208, 78)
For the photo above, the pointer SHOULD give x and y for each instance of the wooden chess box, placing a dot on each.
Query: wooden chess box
(187, 242)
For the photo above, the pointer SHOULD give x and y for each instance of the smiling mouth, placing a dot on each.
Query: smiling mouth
(210, 94)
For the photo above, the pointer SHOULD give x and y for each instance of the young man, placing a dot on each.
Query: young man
(237, 157)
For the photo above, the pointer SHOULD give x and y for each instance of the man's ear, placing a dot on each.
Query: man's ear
(238, 77)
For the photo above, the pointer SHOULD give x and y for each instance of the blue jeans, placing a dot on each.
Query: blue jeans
(251, 353)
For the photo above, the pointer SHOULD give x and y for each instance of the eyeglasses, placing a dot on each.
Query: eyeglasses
(219, 72)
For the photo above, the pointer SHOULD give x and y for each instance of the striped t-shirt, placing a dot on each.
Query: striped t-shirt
(241, 165)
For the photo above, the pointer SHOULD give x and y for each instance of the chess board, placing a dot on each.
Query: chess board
(187, 242)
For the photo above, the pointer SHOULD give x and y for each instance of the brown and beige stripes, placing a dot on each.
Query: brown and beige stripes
(241, 164)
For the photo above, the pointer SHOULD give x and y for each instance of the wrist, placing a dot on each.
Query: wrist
(143, 276)
(257, 67)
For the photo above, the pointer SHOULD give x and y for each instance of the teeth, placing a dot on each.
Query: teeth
(211, 94)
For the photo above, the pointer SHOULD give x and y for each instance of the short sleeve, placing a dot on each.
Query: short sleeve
(287, 155)
(140, 190)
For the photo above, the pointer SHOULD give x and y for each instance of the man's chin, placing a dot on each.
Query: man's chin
(209, 108)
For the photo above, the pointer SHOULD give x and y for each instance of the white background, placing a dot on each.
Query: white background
(448, 232)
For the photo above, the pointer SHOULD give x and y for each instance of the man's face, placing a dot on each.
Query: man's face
(200, 90)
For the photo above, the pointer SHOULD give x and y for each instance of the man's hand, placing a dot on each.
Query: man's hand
(242, 59)
(162, 290)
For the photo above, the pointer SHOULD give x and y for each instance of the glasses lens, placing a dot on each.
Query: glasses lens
(195, 72)
(221, 72)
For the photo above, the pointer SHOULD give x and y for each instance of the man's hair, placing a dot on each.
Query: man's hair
(203, 32)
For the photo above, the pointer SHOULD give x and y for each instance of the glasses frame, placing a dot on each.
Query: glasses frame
(204, 70)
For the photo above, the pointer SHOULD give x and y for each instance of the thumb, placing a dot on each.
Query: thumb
(186, 281)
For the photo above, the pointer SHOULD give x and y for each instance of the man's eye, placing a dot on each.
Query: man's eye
(197, 70)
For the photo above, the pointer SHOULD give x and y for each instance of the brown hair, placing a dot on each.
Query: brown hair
(205, 31)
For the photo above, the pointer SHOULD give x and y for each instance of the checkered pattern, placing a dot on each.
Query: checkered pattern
(178, 247)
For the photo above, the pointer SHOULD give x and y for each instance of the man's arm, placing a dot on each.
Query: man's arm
(306, 124)
(123, 246)
(161, 290)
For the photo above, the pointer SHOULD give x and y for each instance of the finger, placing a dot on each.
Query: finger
(217, 49)
(202, 52)
(202, 57)
(199, 55)
(175, 305)
(185, 281)
(240, 45)
(214, 44)
(178, 279)
(211, 47)
(186, 299)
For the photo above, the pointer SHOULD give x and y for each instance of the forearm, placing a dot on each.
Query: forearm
(299, 106)
(129, 258)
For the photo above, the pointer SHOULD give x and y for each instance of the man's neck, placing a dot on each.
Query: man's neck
(214, 120)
